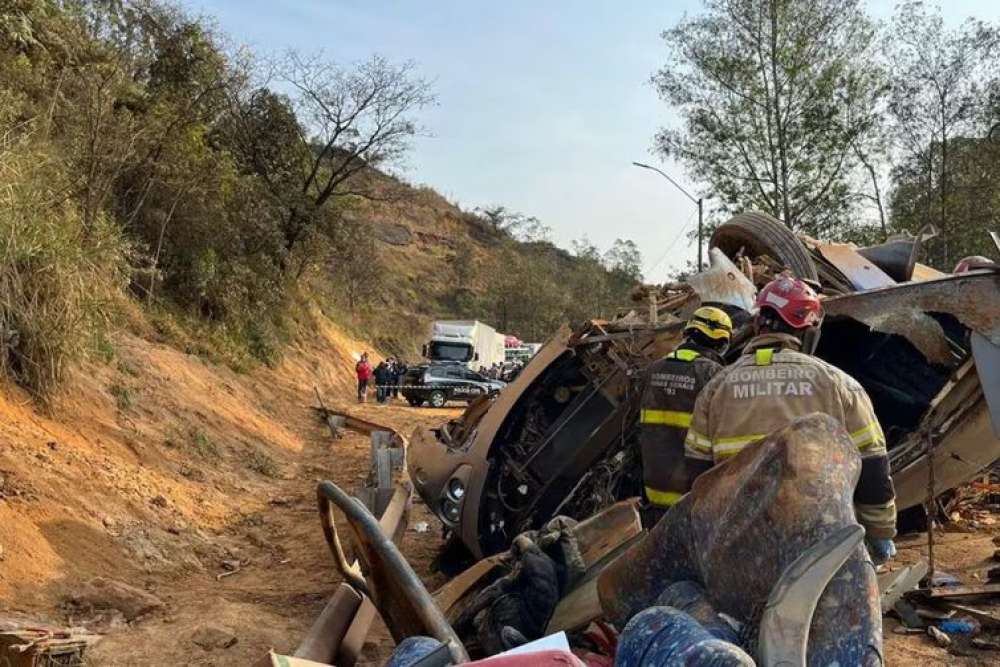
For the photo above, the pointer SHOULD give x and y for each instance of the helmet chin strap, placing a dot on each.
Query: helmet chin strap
(770, 322)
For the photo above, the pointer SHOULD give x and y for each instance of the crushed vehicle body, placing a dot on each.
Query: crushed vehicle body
(571, 577)
(560, 439)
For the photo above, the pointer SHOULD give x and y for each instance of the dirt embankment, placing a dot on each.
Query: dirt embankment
(159, 470)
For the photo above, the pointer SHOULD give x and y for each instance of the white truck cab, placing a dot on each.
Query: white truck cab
(468, 342)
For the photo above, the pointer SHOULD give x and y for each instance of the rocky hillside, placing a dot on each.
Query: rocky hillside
(429, 259)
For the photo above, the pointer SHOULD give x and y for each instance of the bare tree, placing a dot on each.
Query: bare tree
(336, 123)
(352, 119)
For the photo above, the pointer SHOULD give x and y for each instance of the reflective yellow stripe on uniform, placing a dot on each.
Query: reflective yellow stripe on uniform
(663, 498)
(683, 355)
(723, 448)
(665, 418)
(867, 436)
(763, 356)
(698, 443)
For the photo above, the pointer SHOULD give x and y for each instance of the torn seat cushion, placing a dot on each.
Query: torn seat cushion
(744, 523)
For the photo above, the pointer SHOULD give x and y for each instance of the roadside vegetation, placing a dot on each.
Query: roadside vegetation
(151, 176)
(838, 125)
(142, 162)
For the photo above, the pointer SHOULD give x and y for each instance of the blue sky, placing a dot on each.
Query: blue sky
(542, 106)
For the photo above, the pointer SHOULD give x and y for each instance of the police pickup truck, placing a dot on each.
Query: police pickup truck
(437, 384)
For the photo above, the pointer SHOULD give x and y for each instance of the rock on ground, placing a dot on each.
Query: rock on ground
(210, 637)
(101, 593)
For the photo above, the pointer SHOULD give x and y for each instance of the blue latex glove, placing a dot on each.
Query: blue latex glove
(881, 550)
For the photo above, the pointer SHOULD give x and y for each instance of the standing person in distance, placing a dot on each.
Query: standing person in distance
(363, 370)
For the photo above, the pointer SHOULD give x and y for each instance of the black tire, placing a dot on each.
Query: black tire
(437, 399)
(760, 234)
(415, 402)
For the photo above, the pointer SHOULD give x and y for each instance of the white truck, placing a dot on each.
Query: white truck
(465, 341)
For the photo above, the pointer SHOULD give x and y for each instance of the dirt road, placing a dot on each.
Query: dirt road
(288, 574)
(155, 469)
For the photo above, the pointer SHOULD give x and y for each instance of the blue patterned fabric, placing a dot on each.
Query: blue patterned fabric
(668, 637)
(410, 650)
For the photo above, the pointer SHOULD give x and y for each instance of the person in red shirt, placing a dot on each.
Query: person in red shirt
(364, 370)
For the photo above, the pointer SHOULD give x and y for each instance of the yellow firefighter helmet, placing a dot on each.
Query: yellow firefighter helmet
(712, 322)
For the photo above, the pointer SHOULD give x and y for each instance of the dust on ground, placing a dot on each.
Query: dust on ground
(967, 554)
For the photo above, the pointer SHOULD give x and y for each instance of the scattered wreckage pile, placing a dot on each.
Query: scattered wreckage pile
(559, 440)
(537, 482)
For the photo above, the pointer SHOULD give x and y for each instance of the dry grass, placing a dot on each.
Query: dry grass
(59, 279)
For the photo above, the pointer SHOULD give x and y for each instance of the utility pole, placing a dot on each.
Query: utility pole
(698, 201)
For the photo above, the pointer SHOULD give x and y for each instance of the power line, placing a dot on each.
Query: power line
(671, 246)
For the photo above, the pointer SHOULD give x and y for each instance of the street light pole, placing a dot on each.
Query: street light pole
(700, 232)
(688, 195)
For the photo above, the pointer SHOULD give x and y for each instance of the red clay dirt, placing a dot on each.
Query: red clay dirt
(157, 467)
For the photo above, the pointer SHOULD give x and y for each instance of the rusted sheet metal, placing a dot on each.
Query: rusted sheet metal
(482, 573)
(338, 634)
(327, 633)
(601, 538)
(350, 421)
(431, 462)
(973, 298)
(673, 326)
(963, 442)
(967, 448)
(723, 283)
(858, 270)
(922, 272)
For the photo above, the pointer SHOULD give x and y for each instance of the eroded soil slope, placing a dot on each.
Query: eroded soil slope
(158, 470)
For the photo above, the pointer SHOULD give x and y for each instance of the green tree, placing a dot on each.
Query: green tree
(941, 78)
(624, 259)
(973, 200)
(774, 95)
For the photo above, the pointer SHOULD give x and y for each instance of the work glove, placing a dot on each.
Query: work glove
(881, 550)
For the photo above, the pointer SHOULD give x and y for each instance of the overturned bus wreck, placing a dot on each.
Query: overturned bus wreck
(666, 590)
(560, 439)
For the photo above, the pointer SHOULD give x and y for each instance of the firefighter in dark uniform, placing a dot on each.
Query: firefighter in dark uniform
(671, 387)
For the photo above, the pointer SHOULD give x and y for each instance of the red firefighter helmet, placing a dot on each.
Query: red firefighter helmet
(793, 300)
